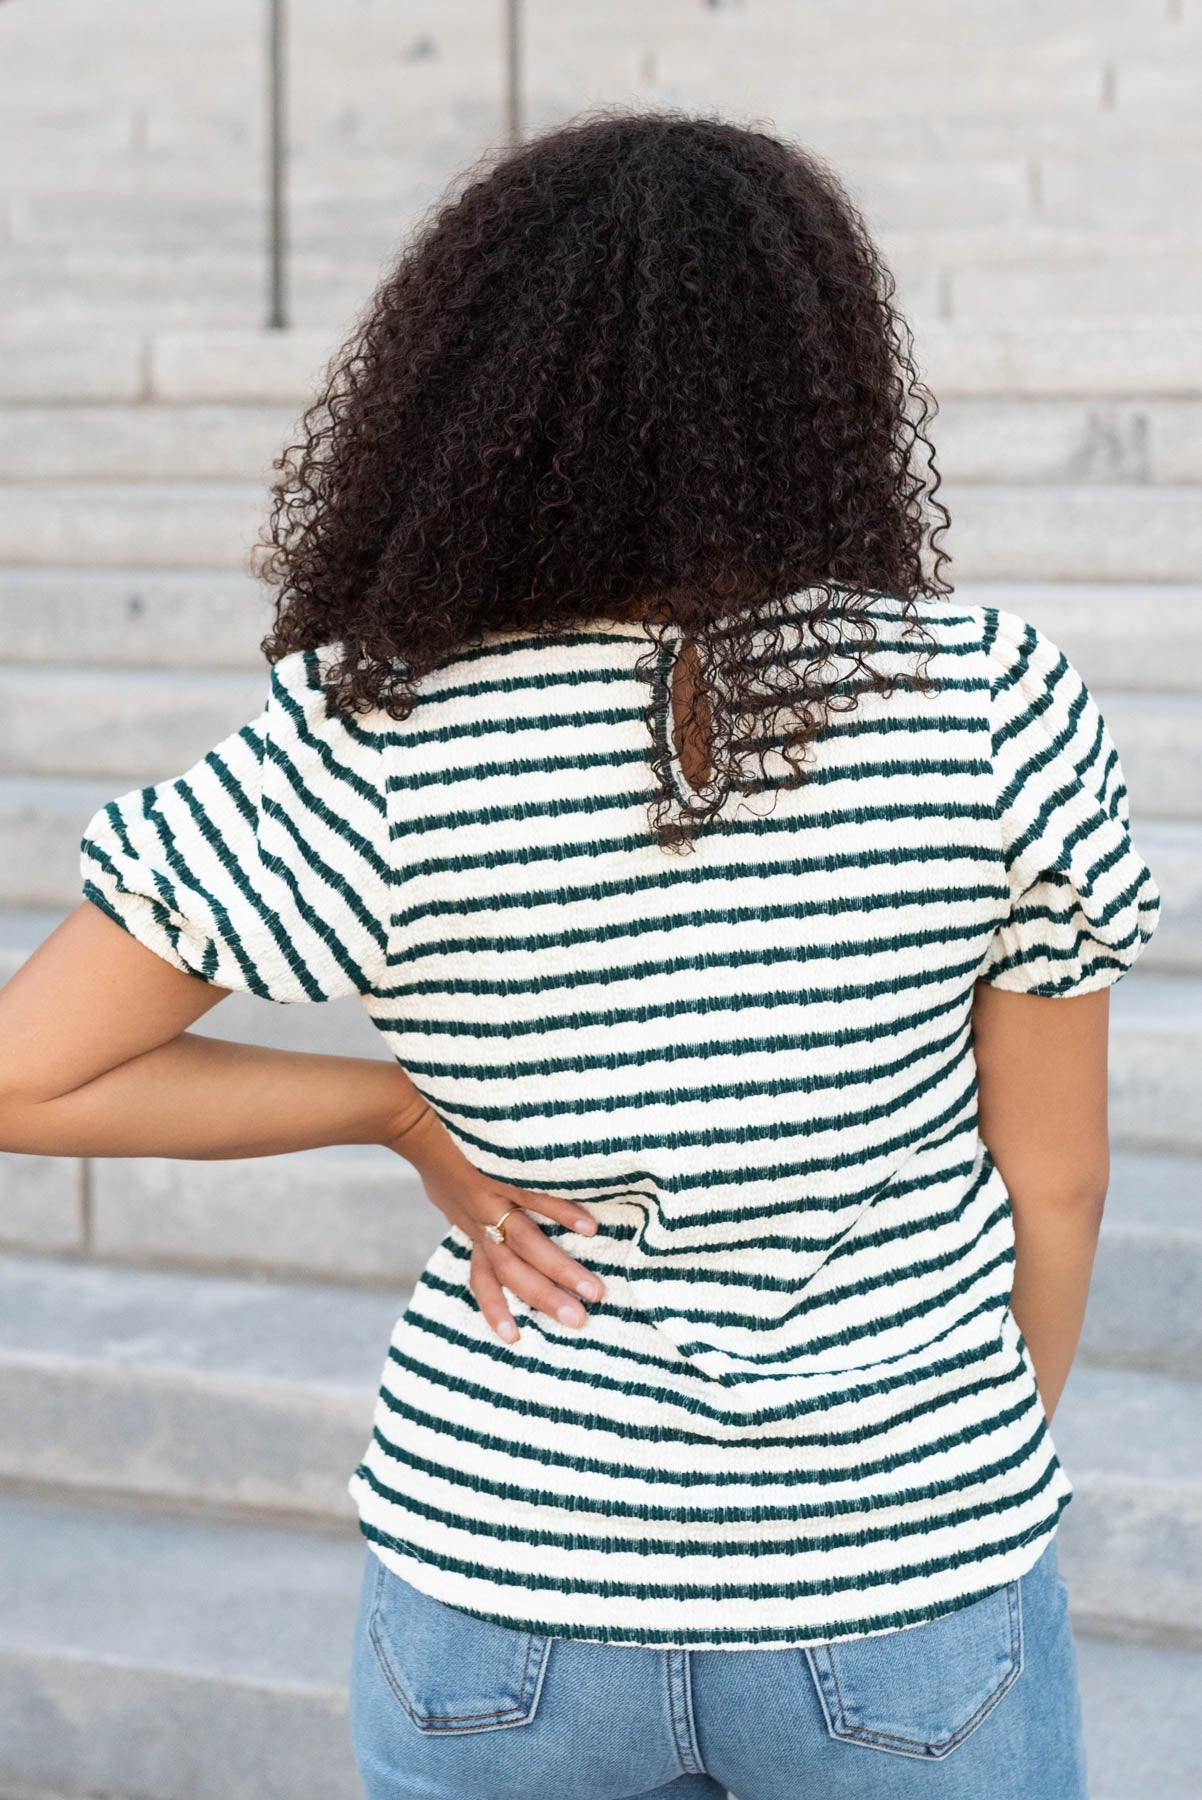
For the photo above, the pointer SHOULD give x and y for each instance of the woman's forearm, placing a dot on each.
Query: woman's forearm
(1054, 1247)
(203, 1097)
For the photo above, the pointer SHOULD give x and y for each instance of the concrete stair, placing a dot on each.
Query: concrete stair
(170, 1657)
(189, 1351)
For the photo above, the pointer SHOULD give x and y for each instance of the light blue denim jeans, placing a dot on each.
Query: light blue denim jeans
(981, 1704)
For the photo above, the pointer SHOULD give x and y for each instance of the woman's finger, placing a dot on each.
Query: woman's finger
(522, 1279)
(553, 1206)
(490, 1298)
(531, 1243)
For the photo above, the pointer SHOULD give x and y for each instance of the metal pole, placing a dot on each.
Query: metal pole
(277, 132)
(513, 70)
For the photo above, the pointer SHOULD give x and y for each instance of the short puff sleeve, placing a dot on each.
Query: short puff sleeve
(264, 867)
(1083, 902)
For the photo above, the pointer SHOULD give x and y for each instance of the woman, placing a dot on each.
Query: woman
(740, 913)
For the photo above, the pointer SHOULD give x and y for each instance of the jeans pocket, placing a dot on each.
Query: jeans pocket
(452, 1672)
(920, 1691)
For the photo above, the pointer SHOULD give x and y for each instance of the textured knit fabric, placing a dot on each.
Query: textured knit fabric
(803, 1410)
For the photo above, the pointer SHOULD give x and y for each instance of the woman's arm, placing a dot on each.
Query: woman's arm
(1042, 1076)
(96, 1060)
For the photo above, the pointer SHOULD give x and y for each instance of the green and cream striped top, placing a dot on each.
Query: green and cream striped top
(804, 1410)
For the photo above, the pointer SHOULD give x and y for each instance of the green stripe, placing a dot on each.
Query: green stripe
(776, 1087)
(729, 1377)
(740, 1518)
(230, 938)
(893, 1620)
(645, 881)
(699, 1006)
(803, 1474)
(689, 1396)
(582, 1062)
(517, 766)
(604, 931)
(242, 880)
(753, 1212)
(695, 963)
(609, 1506)
(861, 1579)
(634, 1142)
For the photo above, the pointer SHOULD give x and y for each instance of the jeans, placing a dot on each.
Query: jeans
(980, 1704)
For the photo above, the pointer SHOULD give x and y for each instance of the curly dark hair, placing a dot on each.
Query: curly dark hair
(643, 357)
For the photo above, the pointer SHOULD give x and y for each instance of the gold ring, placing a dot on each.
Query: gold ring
(496, 1232)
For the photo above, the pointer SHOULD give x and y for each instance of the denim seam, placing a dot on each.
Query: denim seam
(890, 1740)
(680, 1711)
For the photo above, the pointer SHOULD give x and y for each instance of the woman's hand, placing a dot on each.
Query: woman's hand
(527, 1263)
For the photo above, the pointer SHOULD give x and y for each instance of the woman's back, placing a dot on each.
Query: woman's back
(803, 1409)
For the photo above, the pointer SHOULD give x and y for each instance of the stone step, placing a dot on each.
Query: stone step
(253, 365)
(131, 524)
(132, 724)
(165, 618)
(182, 215)
(1085, 358)
(1065, 533)
(39, 364)
(1101, 285)
(203, 1390)
(1132, 1534)
(367, 148)
(41, 823)
(174, 209)
(134, 296)
(192, 1659)
(1137, 1704)
(1173, 849)
(1107, 532)
(176, 1659)
(1072, 440)
(358, 1215)
(340, 1027)
(1143, 1310)
(991, 274)
(1155, 1055)
(1159, 737)
(742, 71)
(188, 1389)
(226, 442)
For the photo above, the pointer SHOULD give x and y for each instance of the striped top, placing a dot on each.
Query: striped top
(803, 1410)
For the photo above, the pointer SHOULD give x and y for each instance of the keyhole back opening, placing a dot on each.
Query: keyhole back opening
(691, 742)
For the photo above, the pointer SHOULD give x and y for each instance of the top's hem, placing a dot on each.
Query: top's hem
(1022, 1559)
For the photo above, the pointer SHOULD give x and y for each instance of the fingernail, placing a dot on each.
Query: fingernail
(589, 1288)
(570, 1315)
(585, 1224)
(508, 1330)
